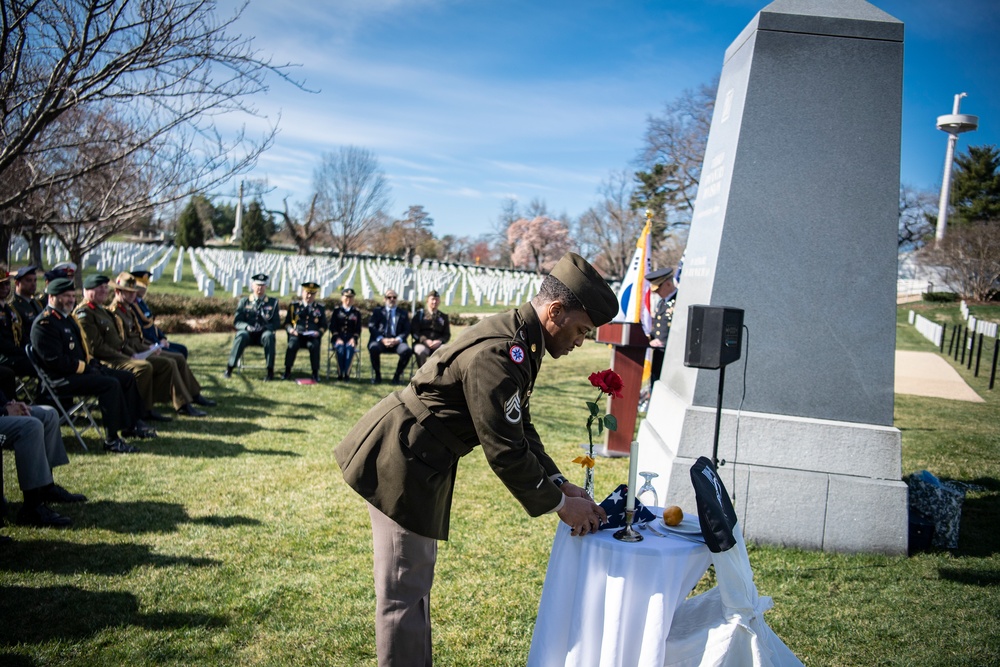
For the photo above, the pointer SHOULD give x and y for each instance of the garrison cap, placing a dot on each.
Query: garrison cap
(90, 282)
(660, 276)
(310, 286)
(260, 278)
(347, 291)
(588, 286)
(125, 282)
(59, 285)
(141, 278)
(434, 292)
(25, 271)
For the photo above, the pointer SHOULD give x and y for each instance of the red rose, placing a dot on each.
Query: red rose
(608, 382)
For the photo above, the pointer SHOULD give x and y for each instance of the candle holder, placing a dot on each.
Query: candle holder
(626, 534)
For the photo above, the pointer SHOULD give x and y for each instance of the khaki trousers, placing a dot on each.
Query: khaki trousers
(404, 573)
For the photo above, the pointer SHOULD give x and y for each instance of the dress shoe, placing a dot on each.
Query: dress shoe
(140, 432)
(41, 516)
(377, 379)
(189, 410)
(397, 380)
(119, 446)
(315, 378)
(156, 416)
(286, 376)
(228, 373)
(53, 493)
(207, 402)
(270, 375)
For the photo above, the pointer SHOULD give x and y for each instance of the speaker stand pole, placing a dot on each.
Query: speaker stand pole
(718, 417)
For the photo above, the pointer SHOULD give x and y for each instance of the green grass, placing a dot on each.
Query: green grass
(233, 540)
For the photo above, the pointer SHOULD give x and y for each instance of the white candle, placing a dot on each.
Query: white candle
(633, 465)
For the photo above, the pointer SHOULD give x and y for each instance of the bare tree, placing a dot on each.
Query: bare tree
(917, 215)
(352, 194)
(970, 258)
(509, 212)
(608, 231)
(158, 75)
(672, 157)
(303, 234)
(414, 230)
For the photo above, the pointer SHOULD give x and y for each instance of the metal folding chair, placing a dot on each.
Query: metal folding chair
(331, 360)
(47, 386)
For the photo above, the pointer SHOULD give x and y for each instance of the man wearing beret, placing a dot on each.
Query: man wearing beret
(61, 350)
(345, 332)
(24, 301)
(150, 332)
(402, 456)
(662, 283)
(256, 320)
(305, 323)
(430, 328)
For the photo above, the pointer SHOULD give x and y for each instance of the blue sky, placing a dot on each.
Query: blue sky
(466, 102)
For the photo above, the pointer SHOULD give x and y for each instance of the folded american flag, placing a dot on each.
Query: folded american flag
(614, 506)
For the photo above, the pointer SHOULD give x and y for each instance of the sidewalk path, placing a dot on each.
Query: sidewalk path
(928, 374)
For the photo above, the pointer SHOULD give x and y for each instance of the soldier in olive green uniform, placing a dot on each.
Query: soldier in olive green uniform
(402, 457)
(24, 301)
(256, 320)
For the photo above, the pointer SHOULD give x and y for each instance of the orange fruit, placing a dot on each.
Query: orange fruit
(673, 515)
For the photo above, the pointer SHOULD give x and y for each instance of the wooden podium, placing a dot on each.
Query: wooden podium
(630, 343)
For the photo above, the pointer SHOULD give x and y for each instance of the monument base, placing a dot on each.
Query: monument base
(800, 482)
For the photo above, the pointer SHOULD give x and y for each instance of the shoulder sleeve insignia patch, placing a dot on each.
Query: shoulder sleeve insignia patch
(516, 354)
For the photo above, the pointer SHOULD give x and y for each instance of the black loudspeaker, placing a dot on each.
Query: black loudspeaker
(714, 336)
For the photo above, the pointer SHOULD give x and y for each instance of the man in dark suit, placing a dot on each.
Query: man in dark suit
(402, 456)
(389, 328)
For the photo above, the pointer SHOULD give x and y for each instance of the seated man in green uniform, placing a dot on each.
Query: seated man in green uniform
(305, 323)
(402, 456)
(430, 328)
(256, 320)
(24, 301)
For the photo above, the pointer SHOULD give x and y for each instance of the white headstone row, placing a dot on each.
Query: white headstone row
(932, 331)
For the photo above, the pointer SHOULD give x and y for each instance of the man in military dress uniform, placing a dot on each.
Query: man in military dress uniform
(177, 383)
(305, 323)
(12, 332)
(24, 301)
(431, 328)
(388, 329)
(150, 332)
(402, 456)
(345, 332)
(256, 320)
(662, 283)
(62, 352)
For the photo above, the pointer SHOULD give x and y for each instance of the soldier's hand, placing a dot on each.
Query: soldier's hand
(571, 490)
(582, 515)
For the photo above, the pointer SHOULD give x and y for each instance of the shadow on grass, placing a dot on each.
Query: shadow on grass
(68, 613)
(980, 513)
(970, 577)
(110, 560)
(143, 516)
(209, 449)
(15, 660)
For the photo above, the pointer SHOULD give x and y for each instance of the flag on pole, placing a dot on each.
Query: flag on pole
(633, 296)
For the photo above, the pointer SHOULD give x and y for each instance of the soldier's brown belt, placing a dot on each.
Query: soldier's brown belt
(432, 424)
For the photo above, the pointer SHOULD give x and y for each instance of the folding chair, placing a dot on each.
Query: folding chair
(50, 387)
(331, 361)
(724, 627)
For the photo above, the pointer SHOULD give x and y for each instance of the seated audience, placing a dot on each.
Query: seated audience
(256, 320)
(305, 323)
(345, 332)
(388, 329)
(430, 328)
(182, 388)
(150, 332)
(61, 351)
(32, 432)
(105, 341)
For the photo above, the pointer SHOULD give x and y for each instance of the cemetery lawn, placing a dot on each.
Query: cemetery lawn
(233, 540)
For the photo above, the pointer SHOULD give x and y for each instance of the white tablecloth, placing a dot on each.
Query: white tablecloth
(607, 603)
